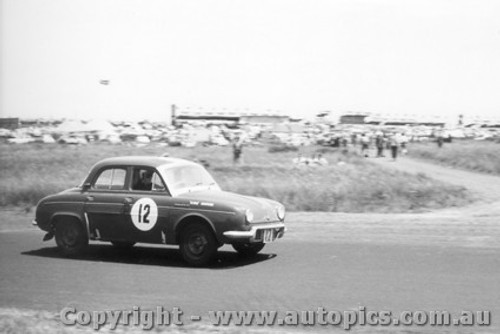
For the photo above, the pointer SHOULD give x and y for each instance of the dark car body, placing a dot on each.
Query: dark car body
(158, 200)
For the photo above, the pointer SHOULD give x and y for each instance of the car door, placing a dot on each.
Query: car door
(106, 204)
(148, 209)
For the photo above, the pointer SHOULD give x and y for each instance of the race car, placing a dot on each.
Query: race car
(158, 200)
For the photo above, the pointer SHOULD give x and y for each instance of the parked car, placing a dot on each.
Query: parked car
(159, 200)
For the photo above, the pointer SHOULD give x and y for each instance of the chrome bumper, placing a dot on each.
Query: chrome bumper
(253, 234)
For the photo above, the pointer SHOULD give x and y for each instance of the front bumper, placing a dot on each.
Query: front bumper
(256, 233)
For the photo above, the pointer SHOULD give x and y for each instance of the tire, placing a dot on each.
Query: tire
(70, 237)
(123, 245)
(198, 245)
(248, 249)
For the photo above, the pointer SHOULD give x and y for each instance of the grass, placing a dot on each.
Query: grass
(349, 183)
(480, 156)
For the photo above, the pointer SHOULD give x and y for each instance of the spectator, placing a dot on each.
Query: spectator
(404, 141)
(379, 142)
(237, 149)
(440, 141)
(344, 141)
(394, 143)
(365, 142)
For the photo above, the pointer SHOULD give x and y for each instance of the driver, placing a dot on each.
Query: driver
(145, 183)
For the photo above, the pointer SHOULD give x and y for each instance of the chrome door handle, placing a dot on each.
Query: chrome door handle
(90, 198)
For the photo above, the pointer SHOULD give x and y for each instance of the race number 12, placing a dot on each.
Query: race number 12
(144, 214)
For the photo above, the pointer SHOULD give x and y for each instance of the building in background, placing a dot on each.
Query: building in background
(353, 118)
(10, 123)
(228, 116)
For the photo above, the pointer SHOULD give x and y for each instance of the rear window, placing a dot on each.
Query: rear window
(111, 179)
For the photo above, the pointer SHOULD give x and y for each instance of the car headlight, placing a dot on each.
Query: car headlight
(280, 212)
(249, 216)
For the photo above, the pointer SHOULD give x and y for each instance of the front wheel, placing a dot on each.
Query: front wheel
(198, 245)
(70, 237)
(248, 249)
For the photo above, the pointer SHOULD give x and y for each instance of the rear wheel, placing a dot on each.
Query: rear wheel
(248, 249)
(70, 237)
(198, 244)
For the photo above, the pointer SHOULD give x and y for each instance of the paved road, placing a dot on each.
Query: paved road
(295, 274)
(445, 260)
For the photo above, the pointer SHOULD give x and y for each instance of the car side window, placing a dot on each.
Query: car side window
(146, 179)
(157, 183)
(111, 179)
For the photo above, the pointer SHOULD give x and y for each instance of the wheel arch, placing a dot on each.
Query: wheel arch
(60, 216)
(189, 219)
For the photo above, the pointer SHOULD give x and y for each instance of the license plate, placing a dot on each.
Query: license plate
(268, 236)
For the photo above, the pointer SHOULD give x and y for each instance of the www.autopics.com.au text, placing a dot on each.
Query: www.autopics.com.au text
(148, 318)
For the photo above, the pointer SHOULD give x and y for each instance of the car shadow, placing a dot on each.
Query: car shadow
(152, 256)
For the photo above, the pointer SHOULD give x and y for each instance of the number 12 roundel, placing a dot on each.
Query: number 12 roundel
(144, 214)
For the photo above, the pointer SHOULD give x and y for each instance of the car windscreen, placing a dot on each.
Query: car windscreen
(187, 178)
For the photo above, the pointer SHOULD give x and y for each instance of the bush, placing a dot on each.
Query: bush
(282, 148)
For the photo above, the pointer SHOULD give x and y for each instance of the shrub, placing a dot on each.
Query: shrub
(282, 148)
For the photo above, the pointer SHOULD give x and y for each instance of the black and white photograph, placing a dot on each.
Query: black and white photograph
(250, 166)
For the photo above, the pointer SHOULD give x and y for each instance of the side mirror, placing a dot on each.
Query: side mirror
(86, 186)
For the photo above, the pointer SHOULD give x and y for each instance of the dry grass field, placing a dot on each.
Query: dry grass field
(349, 183)
(479, 156)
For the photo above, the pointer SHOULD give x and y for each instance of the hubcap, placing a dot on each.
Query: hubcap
(69, 237)
(197, 244)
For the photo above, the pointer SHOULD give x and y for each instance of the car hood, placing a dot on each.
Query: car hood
(264, 209)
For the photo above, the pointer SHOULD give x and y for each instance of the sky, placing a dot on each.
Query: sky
(299, 57)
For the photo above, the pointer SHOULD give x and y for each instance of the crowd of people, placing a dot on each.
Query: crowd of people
(376, 144)
(395, 143)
